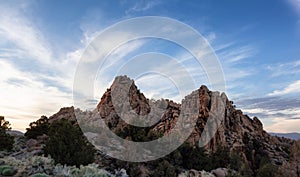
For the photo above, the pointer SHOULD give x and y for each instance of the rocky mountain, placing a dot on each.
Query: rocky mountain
(294, 136)
(15, 132)
(237, 131)
(230, 141)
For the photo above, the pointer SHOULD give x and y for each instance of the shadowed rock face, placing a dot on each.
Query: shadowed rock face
(236, 131)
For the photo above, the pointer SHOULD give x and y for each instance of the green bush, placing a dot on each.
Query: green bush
(267, 170)
(134, 170)
(7, 170)
(2, 167)
(67, 144)
(91, 170)
(40, 175)
(45, 164)
(194, 157)
(221, 158)
(164, 169)
(6, 140)
(38, 128)
(246, 171)
(235, 161)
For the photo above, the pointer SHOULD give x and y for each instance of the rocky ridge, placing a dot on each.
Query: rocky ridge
(237, 131)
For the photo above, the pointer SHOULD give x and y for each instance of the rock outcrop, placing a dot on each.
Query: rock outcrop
(236, 131)
(218, 124)
(66, 113)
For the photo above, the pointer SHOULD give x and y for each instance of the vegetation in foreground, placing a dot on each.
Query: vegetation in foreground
(67, 141)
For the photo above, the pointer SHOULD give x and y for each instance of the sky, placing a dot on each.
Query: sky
(257, 44)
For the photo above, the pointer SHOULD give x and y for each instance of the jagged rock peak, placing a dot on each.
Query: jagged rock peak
(121, 89)
(66, 113)
(237, 131)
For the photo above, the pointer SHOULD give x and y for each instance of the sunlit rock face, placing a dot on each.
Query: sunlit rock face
(237, 131)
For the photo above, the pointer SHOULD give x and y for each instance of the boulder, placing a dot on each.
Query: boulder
(31, 143)
(194, 173)
(220, 172)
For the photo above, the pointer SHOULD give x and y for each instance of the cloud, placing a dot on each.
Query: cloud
(16, 30)
(165, 87)
(290, 89)
(16, 82)
(33, 82)
(275, 103)
(278, 114)
(295, 4)
(237, 54)
(142, 5)
(25, 98)
(233, 58)
(283, 125)
(284, 69)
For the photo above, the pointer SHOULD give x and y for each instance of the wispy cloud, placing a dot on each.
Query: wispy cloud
(290, 89)
(295, 4)
(33, 82)
(236, 54)
(25, 97)
(284, 69)
(16, 30)
(233, 58)
(279, 114)
(275, 103)
(142, 5)
(283, 125)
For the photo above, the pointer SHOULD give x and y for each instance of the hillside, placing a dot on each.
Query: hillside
(293, 136)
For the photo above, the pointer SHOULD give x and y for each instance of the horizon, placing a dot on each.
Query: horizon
(259, 54)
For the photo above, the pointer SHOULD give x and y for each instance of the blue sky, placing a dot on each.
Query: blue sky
(257, 43)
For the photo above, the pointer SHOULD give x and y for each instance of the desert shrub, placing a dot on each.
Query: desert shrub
(6, 170)
(221, 158)
(267, 170)
(63, 170)
(138, 134)
(292, 167)
(164, 169)
(31, 165)
(235, 161)
(246, 171)
(134, 170)
(90, 170)
(175, 158)
(40, 175)
(44, 164)
(16, 163)
(67, 144)
(38, 128)
(2, 167)
(194, 157)
(6, 140)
